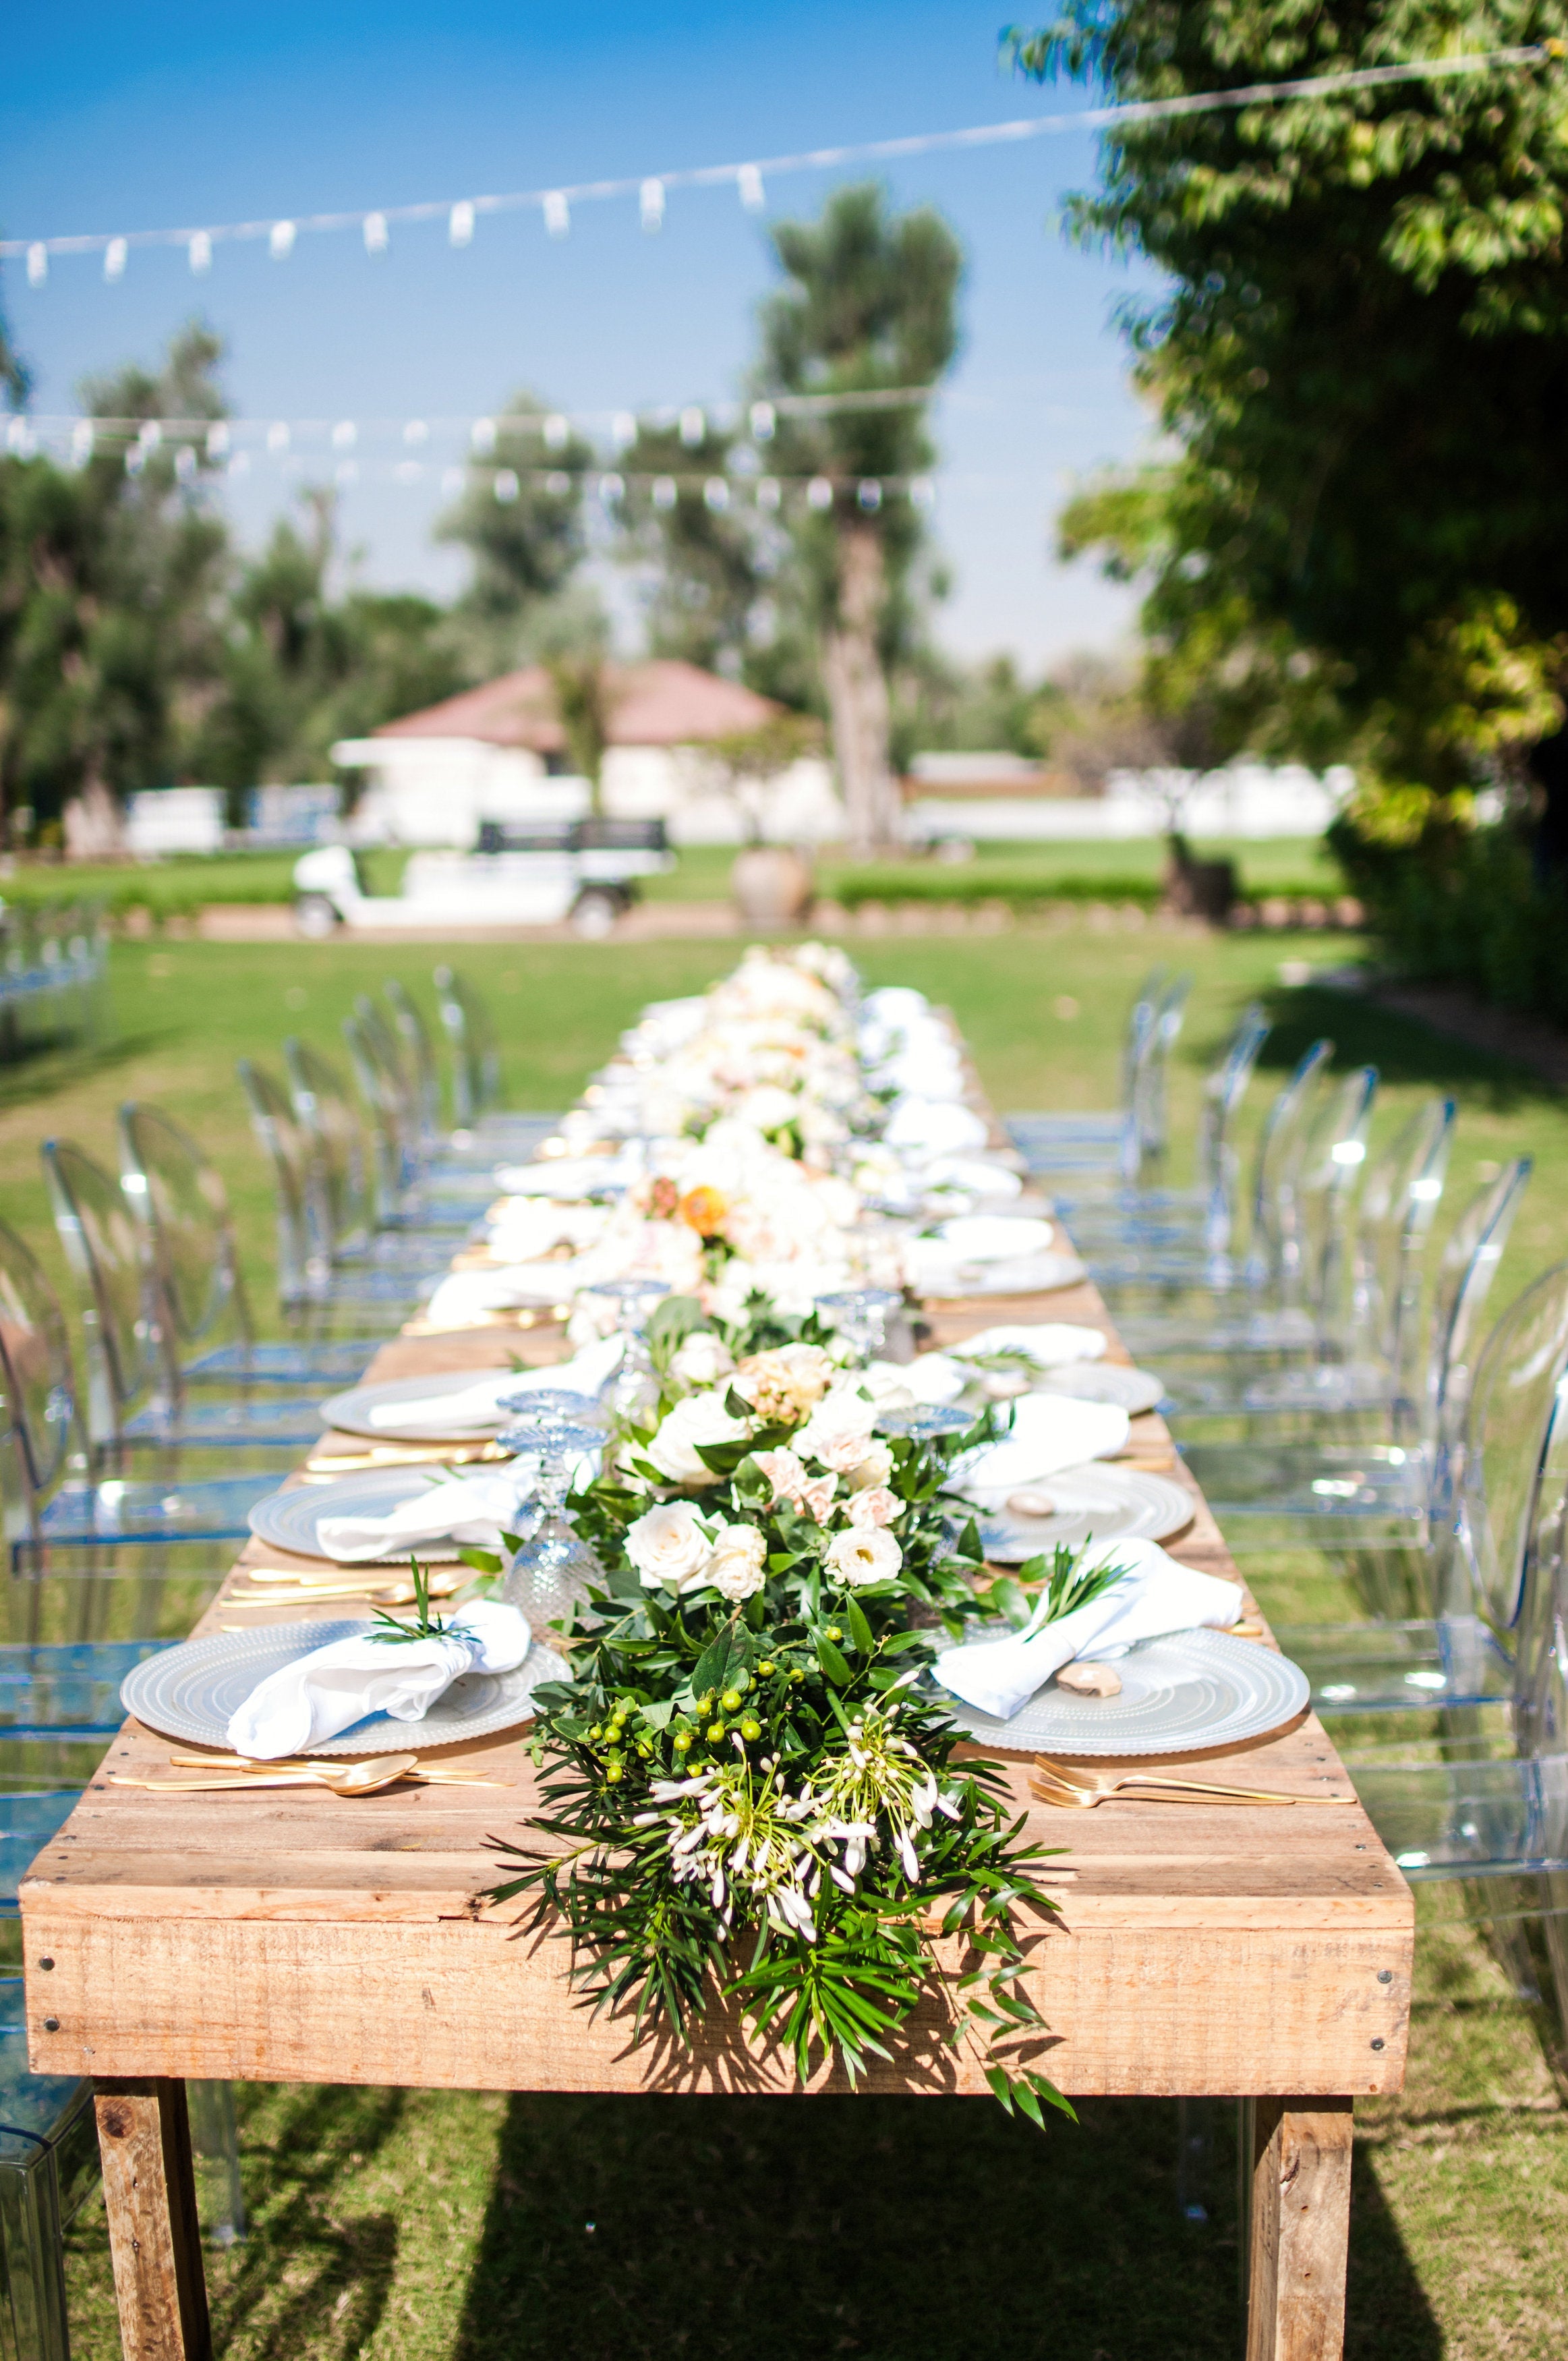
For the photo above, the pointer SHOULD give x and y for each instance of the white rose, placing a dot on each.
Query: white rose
(669, 1548)
(865, 1553)
(874, 1468)
(838, 1430)
(875, 1505)
(736, 1565)
(701, 1359)
(701, 1418)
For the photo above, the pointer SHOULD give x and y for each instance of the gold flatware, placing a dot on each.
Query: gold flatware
(435, 1774)
(354, 1779)
(384, 1594)
(460, 1455)
(1087, 1788)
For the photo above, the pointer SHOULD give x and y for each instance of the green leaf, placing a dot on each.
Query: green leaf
(832, 1663)
(860, 1630)
(482, 1561)
(720, 1660)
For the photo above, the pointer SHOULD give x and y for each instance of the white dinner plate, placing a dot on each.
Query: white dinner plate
(1025, 1275)
(1180, 1695)
(191, 1692)
(1103, 1381)
(286, 1521)
(349, 1412)
(1094, 1502)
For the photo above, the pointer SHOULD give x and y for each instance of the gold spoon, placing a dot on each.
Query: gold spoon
(447, 1774)
(382, 1594)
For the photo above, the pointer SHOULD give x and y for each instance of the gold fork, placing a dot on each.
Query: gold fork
(1067, 1784)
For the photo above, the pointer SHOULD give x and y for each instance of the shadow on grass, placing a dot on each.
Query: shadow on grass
(915, 2229)
(41, 1068)
(1388, 2317)
(1401, 1048)
(311, 2277)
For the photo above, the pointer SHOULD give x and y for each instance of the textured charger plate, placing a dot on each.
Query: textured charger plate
(286, 1521)
(1103, 1381)
(1027, 1275)
(349, 1413)
(191, 1692)
(1093, 1502)
(1180, 1695)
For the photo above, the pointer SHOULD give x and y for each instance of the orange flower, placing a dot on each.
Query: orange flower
(704, 1211)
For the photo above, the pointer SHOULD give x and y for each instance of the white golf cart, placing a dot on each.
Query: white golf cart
(533, 874)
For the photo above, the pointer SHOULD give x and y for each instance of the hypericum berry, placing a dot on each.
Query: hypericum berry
(766, 1667)
(750, 1727)
(612, 1771)
(834, 1633)
(795, 1675)
(730, 1700)
(715, 1732)
(681, 1741)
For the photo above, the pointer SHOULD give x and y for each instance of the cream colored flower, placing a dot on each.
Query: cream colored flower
(816, 1496)
(865, 1553)
(839, 1431)
(699, 1419)
(701, 1359)
(786, 1474)
(873, 1505)
(874, 1468)
(669, 1547)
(740, 1552)
(785, 1384)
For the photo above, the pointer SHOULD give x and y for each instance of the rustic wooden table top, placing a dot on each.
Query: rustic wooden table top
(297, 1936)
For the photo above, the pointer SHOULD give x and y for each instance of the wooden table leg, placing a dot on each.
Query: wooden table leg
(149, 2192)
(1299, 2228)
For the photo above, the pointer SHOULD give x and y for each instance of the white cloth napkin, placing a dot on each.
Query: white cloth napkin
(994, 1237)
(923, 1127)
(567, 1175)
(465, 1295)
(524, 1229)
(974, 1175)
(931, 1380)
(313, 1700)
(1156, 1596)
(1049, 1432)
(1049, 1344)
(474, 1510)
(479, 1405)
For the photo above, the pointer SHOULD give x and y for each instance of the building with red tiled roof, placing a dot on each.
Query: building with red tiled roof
(499, 753)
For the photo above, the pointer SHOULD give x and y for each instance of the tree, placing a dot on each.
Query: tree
(1361, 349)
(521, 519)
(707, 569)
(870, 309)
(111, 576)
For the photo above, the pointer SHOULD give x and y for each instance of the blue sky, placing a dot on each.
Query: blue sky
(114, 119)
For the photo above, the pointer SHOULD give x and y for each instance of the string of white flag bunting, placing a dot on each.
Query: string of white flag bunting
(651, 191)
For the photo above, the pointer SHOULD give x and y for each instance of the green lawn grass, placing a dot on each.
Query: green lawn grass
(440, 2226)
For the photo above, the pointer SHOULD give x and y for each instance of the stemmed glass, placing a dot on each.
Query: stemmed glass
(634, 1300)
(533, 1410)
(861, 1315)
(552, 1572)
(922, 1426)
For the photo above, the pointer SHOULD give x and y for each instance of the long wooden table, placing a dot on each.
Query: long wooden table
(291, 1936)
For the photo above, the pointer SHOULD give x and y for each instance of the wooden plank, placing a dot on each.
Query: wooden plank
(150, 2196)
(1300, 2228)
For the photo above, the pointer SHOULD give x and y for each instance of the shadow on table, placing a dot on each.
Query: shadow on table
(912, 2231)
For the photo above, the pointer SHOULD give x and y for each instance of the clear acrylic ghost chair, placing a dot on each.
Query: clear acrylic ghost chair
(1198, 1300)
(182, 1209)
(325, 1104)
(1207, 1213)
(1366, 1355)
(1128, 1145)
(1378, 1492)
(444, 1156)
(408, 1192)
(136, 1401)
(479, 1121)
(1466, 1652)
(62, 1514)
(345, 1294)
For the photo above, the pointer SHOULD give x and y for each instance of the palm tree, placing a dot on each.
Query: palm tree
(871, 307)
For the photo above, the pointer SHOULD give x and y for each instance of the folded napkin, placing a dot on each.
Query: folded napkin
(464, 1295)
(567, 1175)
(1048, 1342)
(1049, 1432)
(994, 1237)
(1157, 1595)
(478, 1406)
(931, 1380)
(313, 1700)
(922, 1127)
(973, 1175)
(524, 1229)
(474, 1510)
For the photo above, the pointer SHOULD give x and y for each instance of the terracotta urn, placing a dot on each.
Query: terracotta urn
(772, 886)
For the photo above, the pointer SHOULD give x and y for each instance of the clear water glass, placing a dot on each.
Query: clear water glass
(921, 1425)
(554, 1569)
(634, 1300)
(860, 1315)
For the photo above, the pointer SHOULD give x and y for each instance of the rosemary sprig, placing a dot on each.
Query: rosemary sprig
(425, 1626)
(1070, 1584)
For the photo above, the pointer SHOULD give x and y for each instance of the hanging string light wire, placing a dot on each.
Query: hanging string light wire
(651, 189)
